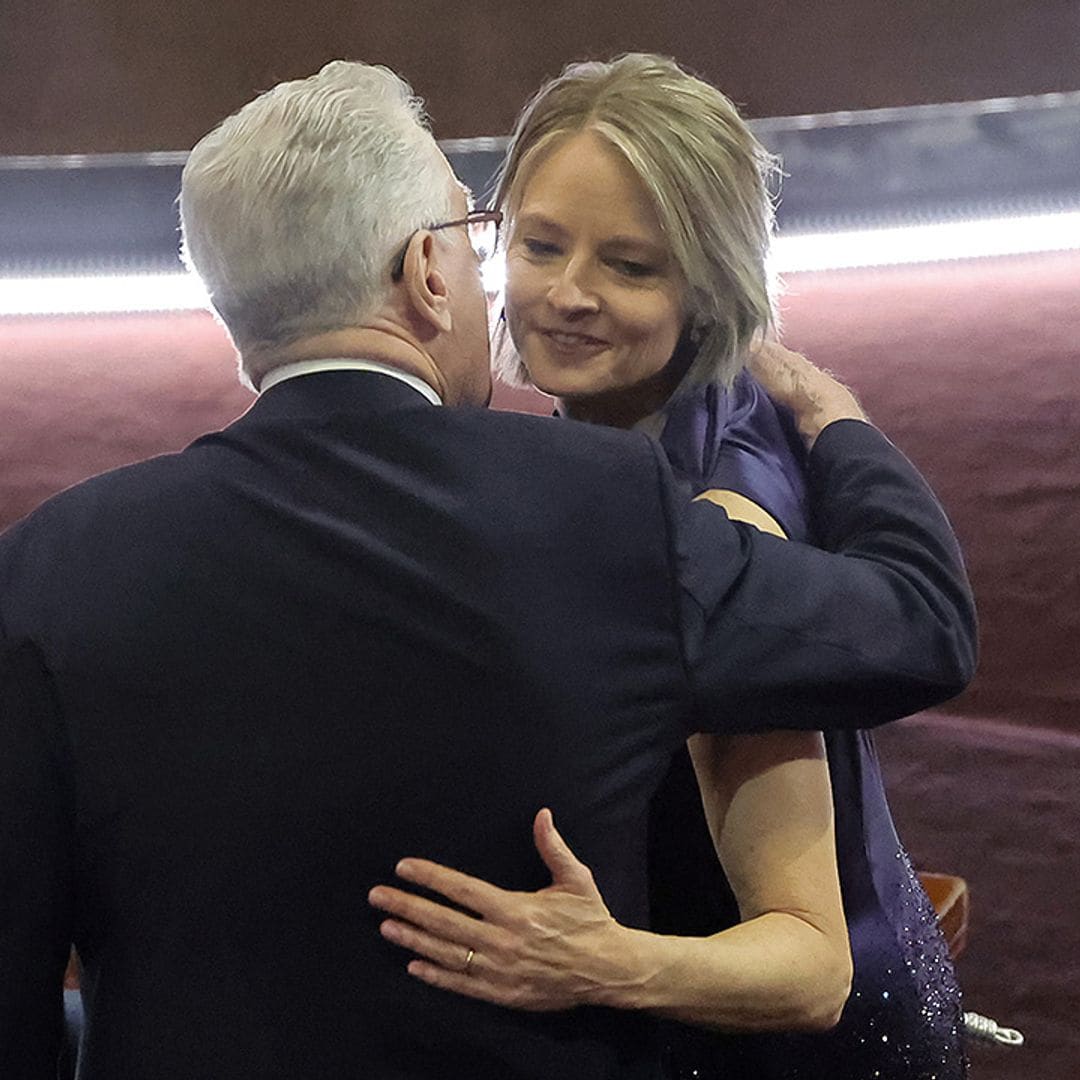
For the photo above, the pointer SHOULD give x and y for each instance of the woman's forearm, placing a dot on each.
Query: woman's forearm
(786, 967)
(776, 972)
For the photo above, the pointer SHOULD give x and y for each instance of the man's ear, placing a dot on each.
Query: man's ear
(425, 283)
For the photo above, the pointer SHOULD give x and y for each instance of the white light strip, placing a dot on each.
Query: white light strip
(927, 243)
(791, 254)
(101, 294)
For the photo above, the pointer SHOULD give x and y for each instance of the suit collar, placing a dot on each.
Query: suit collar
(312, 367)
(336, 391)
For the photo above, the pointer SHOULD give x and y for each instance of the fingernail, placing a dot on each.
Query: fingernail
(404, 868)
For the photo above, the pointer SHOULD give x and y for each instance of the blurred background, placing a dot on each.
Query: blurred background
(930, 245)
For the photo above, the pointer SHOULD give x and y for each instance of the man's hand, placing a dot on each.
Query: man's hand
(541, 951)
(813, 395)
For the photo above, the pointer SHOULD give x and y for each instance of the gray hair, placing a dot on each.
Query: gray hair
(709, 178)
(293, 208)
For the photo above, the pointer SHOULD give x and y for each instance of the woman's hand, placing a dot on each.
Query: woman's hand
(552, 949)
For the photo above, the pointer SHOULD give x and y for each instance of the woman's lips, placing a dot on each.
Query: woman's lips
(569, 343)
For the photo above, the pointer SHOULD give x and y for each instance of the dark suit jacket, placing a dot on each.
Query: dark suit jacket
(239, 682)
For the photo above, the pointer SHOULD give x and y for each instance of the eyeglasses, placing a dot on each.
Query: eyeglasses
(483, 226)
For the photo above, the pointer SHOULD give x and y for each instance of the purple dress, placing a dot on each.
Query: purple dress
(903, 1020)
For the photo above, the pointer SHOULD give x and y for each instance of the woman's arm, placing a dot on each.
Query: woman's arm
(786, 967)
(769, 807)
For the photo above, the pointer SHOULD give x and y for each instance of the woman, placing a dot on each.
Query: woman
(638, 224)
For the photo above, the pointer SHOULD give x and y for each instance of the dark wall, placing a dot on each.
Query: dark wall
(137, 75)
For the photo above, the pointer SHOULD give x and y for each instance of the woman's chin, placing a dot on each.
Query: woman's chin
(559, 384)
(570, 385)
(569, 393)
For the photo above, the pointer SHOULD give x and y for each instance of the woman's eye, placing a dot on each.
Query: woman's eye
(539, 248)
(631, 268)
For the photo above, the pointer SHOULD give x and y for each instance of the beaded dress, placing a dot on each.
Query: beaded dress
(903, 1020)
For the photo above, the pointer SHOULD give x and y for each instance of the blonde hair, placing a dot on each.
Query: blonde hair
(709, 179)
(292, 208)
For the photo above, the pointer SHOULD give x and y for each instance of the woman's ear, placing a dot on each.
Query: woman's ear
(425, 282)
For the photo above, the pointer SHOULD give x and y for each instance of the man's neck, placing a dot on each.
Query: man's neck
(383, 343)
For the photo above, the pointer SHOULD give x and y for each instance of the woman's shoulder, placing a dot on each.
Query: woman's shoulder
(737, 439)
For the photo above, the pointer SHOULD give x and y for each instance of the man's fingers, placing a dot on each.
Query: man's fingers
(567, 870)
(814, 397)
(779, 370)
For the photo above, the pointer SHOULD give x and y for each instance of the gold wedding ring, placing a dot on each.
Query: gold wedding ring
(468, 962)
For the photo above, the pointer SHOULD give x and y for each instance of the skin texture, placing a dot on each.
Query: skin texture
(594, 298)
(463, 352)
(814, 397)
(740, 508)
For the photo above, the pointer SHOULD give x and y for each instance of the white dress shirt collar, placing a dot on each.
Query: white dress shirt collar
(309, 367)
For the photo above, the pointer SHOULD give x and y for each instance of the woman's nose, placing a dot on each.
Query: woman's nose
(569, 292)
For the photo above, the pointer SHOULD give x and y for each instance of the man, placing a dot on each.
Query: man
(238, 681)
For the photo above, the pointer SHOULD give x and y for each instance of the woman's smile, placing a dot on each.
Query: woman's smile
(572, 344)
(594, 297)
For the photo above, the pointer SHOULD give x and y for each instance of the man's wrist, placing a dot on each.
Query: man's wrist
(812, 438)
